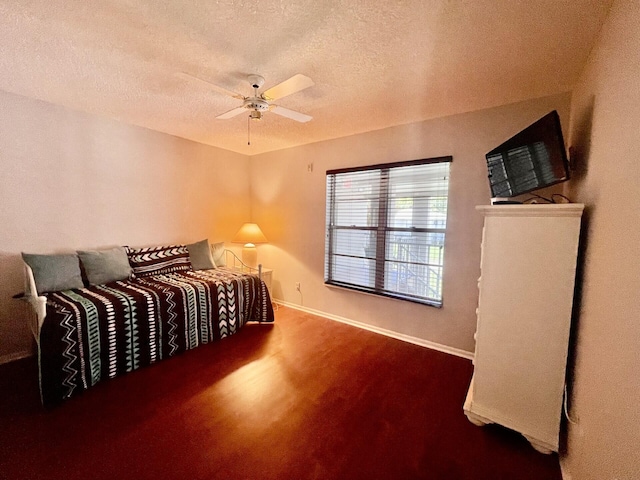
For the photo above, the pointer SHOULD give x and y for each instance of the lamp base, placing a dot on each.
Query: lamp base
(250, 255)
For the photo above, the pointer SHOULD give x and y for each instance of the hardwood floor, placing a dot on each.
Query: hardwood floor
(305, 398)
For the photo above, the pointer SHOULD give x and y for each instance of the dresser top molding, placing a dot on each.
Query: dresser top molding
(532, 210)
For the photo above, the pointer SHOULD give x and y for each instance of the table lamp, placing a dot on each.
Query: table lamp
(250, 234)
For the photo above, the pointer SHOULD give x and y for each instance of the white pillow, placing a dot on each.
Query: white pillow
(219, 257)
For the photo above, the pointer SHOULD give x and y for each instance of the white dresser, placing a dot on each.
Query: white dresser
(528, 267)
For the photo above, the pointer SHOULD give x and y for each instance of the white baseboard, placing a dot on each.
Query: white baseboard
(382, 331)
(12, 357)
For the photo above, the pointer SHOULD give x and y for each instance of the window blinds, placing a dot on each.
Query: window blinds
(385, 228)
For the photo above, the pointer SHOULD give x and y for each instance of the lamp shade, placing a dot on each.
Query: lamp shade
(250, 233)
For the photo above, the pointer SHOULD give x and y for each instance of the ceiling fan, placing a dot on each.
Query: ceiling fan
(262, 102)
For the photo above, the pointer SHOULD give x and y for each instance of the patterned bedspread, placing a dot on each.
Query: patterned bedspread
(103, 331)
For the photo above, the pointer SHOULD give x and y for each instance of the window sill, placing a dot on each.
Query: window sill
(351, 288)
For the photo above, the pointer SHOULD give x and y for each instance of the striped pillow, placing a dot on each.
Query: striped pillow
(159, 260)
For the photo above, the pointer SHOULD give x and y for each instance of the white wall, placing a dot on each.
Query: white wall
(73, 180)
(605, 443)
(288, 202)
(76, 181)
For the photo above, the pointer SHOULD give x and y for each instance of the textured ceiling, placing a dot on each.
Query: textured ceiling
(375, 63)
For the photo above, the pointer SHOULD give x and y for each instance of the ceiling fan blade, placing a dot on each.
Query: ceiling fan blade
(232, 113)
(212, 86)
(294, 84)
(293, 115)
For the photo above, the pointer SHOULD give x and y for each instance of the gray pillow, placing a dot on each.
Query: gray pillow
(200, 255)
(219, 257)
(104, 266)
(54, 273)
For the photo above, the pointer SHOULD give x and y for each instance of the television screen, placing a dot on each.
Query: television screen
(532, 159)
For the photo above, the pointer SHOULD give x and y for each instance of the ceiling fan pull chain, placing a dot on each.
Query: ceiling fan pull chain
(249, 130)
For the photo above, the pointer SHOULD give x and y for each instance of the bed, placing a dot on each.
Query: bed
(86, 335)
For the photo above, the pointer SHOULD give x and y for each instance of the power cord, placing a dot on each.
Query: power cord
(566, 410)
(561, 196)
(535, 197)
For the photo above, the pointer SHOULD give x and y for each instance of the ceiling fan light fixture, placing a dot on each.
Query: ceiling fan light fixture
(256, 103)
(255, 115)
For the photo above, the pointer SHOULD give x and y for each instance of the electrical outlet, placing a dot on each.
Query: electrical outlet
(298, 286)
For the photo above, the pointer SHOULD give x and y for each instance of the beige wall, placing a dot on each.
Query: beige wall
(72, 180)
(605, 443)
(288, 202)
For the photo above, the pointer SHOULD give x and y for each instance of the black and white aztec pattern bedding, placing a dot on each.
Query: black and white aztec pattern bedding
(159, 260)
(103, 331)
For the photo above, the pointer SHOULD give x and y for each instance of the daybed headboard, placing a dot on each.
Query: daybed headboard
(37, 302)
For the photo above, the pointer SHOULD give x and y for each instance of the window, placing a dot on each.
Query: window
(385, 229)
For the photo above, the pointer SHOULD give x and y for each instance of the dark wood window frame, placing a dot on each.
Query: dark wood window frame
(381, 230)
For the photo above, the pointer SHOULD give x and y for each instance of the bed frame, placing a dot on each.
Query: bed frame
(38, 303)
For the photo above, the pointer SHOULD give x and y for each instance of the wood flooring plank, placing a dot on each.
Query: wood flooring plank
(304, 398)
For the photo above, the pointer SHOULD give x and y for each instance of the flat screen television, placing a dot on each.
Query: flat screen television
(532, 159)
